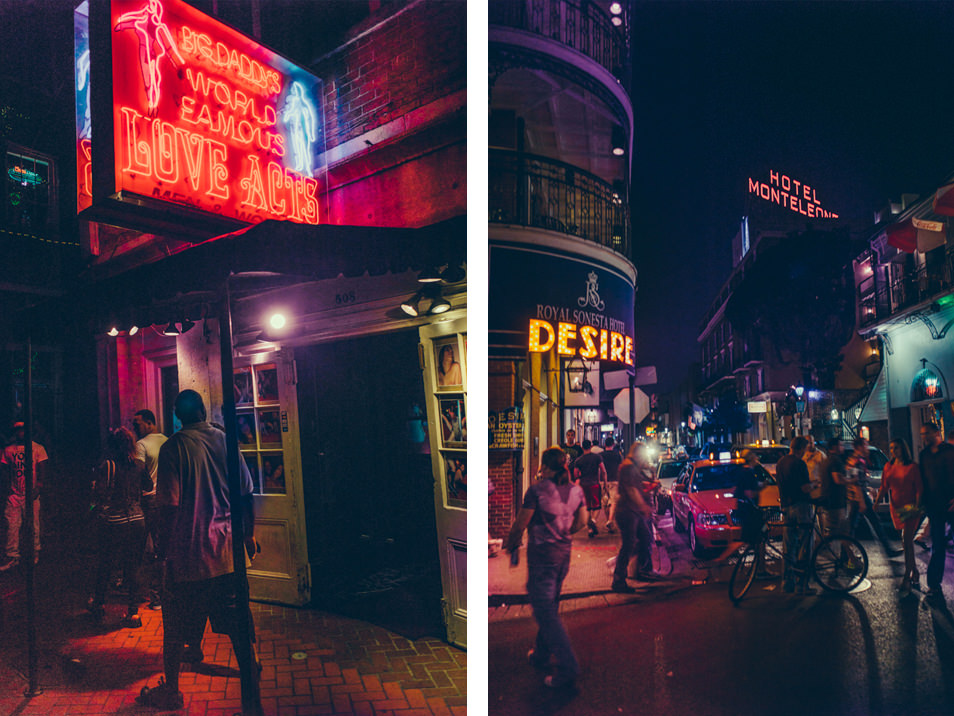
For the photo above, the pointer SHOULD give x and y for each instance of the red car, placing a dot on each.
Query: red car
(703, 504)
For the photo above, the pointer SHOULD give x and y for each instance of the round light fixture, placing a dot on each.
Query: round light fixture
(277, 321)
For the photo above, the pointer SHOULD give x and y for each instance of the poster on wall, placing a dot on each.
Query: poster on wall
(446, 358)
(453, 422)
(506, 429)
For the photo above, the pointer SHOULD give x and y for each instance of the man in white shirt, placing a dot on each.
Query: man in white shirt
(149, 440)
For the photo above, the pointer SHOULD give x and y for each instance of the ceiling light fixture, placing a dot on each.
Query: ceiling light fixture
(618, 141)
(429, 275)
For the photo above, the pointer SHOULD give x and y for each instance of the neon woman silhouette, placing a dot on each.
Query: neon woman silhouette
(299, 116)
(155, 41)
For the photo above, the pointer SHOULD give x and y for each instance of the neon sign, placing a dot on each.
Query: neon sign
(791, 193)
(206, 118)
(571, 339)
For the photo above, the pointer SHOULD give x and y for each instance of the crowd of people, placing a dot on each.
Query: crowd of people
(577, 482)
(162, 510)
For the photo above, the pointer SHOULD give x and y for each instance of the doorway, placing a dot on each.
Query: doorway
(368, 482)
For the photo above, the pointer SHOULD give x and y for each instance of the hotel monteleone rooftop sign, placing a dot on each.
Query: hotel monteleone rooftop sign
(790, 193)
(189, 113)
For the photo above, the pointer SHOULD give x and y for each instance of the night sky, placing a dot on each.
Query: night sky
(855, 98)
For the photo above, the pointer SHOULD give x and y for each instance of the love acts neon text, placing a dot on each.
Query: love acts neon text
(212, 118)
(587, 341)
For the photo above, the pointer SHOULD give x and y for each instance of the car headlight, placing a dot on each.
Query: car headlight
(710, 519)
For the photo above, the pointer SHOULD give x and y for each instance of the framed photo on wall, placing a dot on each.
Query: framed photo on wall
(448, 362)
(273, 473)
(242, 382)
(453, 422)
(455, 478)
(267, 377)
(269, 428)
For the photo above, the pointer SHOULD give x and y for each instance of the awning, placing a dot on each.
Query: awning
(274, 251)
(916, 234)
(876, 404)
(944, 200)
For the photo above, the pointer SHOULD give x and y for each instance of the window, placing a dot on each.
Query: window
(29, 205)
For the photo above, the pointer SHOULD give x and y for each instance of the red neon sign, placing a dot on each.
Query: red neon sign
(791, 193)
(205, 117)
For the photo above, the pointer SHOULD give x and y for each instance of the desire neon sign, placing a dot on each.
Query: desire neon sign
(205, 117)
(791, 193)
(588, 341)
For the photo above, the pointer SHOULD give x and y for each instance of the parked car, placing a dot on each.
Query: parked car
(667, 471)
(703, 504)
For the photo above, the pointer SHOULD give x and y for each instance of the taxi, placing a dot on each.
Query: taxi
(703, 504)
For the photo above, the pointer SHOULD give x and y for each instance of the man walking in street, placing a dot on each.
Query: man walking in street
(794, 486)
(633, 517)
(195, 539)
(553, 509)
(572, 449)
(611, 461)
(937, 474)
(148, 442)
(591, 474)
(13, 464)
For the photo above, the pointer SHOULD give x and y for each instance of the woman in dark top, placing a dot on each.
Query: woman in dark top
(118, 487)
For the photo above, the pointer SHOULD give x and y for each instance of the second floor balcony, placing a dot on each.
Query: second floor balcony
(530, 190)
(894, 291)
(580, 25)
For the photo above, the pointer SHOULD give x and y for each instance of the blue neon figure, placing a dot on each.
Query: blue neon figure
(155, 42)
(82, 85)
(300, 118)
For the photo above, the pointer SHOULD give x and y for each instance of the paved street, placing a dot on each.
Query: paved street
(314, 662)
(680, 647)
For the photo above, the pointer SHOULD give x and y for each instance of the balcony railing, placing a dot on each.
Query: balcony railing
(880, 300)
(582, 26)
(535, 191)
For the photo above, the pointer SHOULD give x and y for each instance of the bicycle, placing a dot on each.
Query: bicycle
(662, 560)
(838, 564)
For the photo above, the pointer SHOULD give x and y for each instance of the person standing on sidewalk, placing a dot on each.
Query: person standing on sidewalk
(13, 465)
(589, 471)
(553, 510)
(633, 517)
(937, 475)
(195, 540)
(121, 532)
(148, 442)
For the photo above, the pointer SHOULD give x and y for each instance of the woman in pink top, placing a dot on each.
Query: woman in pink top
(902, 479)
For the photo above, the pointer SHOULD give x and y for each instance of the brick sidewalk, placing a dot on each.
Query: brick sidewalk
(313, 662)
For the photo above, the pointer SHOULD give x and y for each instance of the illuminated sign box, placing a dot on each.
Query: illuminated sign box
(793, 194)
(201, 117)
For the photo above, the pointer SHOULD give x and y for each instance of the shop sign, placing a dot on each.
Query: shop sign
(790, 193)
(201, 116)
(573, 305)
(758, 406)
(506, 429)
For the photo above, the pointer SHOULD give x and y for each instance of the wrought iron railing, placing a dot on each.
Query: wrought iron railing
(582, 26)
(529, 190)
(879, 300)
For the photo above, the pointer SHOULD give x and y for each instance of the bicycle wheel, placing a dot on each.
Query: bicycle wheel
(662, 561)
(840, 563)
(743, 574)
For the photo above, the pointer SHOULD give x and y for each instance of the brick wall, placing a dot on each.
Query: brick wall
(397, 66)
(501, 508)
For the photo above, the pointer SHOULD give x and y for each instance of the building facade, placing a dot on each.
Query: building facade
(562, 283)
(329, 190)
(905, 308)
